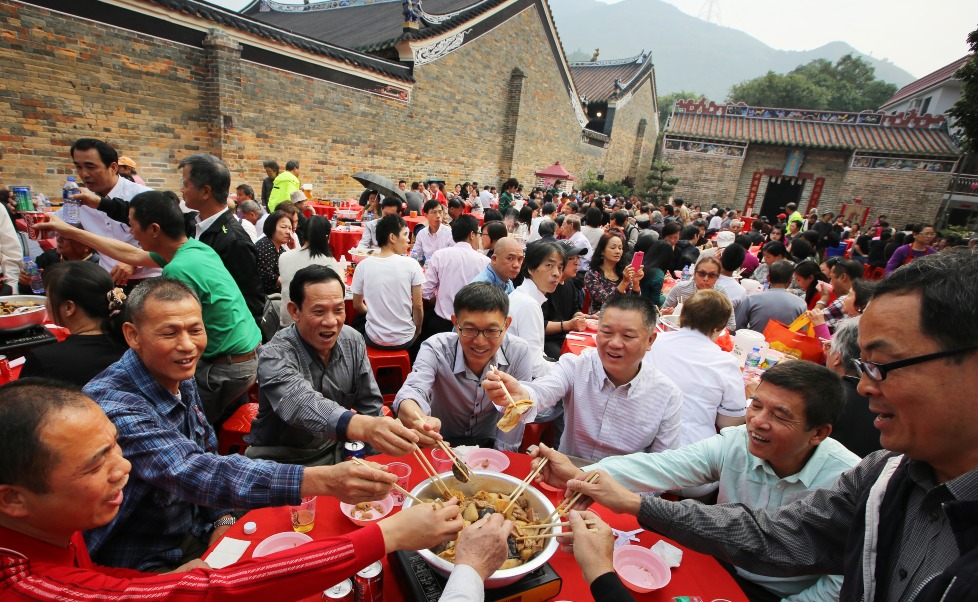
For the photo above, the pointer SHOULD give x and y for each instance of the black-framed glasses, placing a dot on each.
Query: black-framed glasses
(469, 332)
(876, 371)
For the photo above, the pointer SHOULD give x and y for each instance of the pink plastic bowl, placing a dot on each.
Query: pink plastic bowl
(641, 569)
(386, 504)
(497, 460)
(279, 542)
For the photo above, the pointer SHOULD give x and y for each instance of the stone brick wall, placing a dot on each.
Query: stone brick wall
(705, 180)
(158, 101)
(905, 197)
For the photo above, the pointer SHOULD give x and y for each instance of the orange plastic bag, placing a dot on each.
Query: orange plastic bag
(794, 341)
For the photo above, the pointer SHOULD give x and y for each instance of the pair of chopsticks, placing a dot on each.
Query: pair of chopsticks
(526, 483)
(565, 505)
(509, 397)
(394, 485)
(430, 470)
(570, 534)
(463, 468)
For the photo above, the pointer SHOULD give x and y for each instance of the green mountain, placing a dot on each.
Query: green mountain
(689, 53)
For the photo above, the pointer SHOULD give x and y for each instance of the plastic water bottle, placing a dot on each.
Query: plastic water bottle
(344, 266)
(31, 269)
(687, 274)
(70, 210)
(753, 358)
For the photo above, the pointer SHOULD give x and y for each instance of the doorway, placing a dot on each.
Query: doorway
(780, 192)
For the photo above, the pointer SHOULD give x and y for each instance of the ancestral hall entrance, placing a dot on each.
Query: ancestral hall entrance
(780, 191)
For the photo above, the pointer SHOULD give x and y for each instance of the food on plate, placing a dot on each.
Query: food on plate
(485, 463)
(523, 517)
(366, 511)
(9, 307)
(511, 417)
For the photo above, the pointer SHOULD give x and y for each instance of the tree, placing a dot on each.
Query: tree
(659, 185)
(848, 85)
(666, 103)
(965, 111)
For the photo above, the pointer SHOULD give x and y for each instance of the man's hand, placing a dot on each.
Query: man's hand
(421, 526)
(559, 468)
(217, 533)
(594, 546)
(426, 428)
(384, 434)
(579, 322)
(605, 491)
(482, 545)
(121, 273)
(350, 482)
(496, 384)
(87, 197)
(193, 564)
(56, 224)
(667, 311)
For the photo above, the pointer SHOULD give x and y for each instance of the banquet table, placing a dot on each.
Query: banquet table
(344, 238)
(576, 342)
(698, 575)
(327, 211)
(414, 222)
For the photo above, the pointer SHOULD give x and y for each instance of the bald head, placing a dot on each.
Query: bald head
(507, 258)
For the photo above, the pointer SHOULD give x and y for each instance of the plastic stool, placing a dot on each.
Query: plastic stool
(381, 359)
(230, 440)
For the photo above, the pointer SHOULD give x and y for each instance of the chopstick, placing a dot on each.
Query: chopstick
(565, 505)
(394, 485)
(448, 450)
(569, 534)
(522, 486)
(505, 390)
(556, 524)
(428, 468)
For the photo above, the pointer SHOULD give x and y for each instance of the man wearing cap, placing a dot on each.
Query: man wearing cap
(127, 167)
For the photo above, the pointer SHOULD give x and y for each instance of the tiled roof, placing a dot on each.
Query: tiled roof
(596, 80)
(370, 27)
(269, 31)
(932, 79)
(813, 134)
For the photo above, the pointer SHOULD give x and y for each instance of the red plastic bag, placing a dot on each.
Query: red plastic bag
(794, 341)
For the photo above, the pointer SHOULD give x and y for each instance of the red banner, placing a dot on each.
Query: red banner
(816, 193)
(755, 184)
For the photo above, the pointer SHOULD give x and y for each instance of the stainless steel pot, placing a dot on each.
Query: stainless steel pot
(492, 482)
(25, 319)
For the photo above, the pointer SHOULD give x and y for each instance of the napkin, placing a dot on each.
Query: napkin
(668, 552)
(227, 552)
(463, 451)
(624, 538)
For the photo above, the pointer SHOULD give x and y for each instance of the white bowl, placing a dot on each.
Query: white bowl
(280, 542)
(386, 505)
(497, 460)
(494, 483)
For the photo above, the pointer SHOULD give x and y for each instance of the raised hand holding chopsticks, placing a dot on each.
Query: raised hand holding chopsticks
(459, 468)
(522, 486)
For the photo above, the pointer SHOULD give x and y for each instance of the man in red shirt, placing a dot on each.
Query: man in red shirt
(61, 472)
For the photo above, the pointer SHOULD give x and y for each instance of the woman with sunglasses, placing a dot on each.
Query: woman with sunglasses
(705, 278)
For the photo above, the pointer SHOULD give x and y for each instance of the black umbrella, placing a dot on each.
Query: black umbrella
(435, 180)
(379, 183)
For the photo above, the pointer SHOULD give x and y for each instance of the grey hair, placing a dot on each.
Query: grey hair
(250, 206)
(845, 342)
(208, 170)
(159, 289)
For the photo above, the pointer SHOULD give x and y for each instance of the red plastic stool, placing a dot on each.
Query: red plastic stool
(381, 359)
(230, 440)
(534, 433)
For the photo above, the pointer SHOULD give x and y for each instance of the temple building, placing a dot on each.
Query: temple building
(759, 159)
(464, 89)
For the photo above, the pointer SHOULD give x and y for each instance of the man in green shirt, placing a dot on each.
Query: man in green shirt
(230, 362)
(284, 185)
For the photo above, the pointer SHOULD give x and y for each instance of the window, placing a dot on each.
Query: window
(925, 105)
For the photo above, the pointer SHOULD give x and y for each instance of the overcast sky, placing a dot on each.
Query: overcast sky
(918, 36)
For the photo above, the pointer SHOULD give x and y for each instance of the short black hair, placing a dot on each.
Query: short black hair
(106, 153)
(649, 311)
(163, 288)
(24, 459)
(776, 248)
(539, 252)
(455, 203)
(208, 170)
(670, 228)
(620, 217)
(548, 208)
(733, 257)
(271, 222)
(246, 190)
(311, 274)
(594, 217)
(391, 201)
(481, 297)
(463, 226)
(429, 205)
(291, 164)
(820, 388)
(162, 209)
(495, 230)
(547, 227)
(780, 272)
(271, 165)
(388, 225)
(851, 267)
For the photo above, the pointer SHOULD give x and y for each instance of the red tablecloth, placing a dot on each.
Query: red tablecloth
(699, 575)
(325, 210)
(576, 345)
(342, 240)
(414, 222)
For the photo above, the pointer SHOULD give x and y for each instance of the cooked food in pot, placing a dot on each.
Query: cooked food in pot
(10, 307)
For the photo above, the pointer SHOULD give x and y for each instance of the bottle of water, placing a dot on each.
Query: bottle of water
(31, 269)
(416, 254)
(753, 358)
(70, 210)
(687, 274)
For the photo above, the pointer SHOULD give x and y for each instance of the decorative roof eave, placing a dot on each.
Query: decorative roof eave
(638, 58)
(315, 6)
(203, 17)
(432, 19)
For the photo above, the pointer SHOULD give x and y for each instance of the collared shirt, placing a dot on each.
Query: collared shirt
(743, 479)
(96, 222)
(427, 242)
(602, 419)
(579, 240)
(811, 535)
(369, 238)
(201, 226)
(734, 290)
(303, 402)
(525, 307)
(11, 251)
(31, 569)
(708, 376)
(178, 484)
(448, 271)
(444, 387)
(775, 303)
(834, 312)
(685, 289)
(250, 229)
(489, 275)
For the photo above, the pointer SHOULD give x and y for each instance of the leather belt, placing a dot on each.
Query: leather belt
(233, 359)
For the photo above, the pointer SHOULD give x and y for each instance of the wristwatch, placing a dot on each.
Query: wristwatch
(224, 521)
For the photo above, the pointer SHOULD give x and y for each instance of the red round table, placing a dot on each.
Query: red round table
(321, 209)
(344, 238)
(576, 342)
(699, 574)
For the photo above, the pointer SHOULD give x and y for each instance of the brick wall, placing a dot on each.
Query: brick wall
(158, 101)
(705, 180)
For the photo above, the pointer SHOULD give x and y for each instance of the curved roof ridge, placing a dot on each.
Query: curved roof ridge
(638, 58)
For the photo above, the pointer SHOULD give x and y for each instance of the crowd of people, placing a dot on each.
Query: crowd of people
(856, 479)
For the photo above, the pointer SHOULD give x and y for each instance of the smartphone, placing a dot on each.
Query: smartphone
(637, 259)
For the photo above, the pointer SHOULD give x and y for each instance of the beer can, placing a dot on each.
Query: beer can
(354, 449)
(4, 369)
(368, 585)
(341, 592)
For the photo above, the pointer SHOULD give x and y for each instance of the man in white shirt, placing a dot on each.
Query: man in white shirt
(571, 231)
(389, 206)
(11, 252)
(448, 271)
(486, 198)
(614, 402)
(251, 217)
(549, 210)
(97, 164)
(435, 237)
(731, 259)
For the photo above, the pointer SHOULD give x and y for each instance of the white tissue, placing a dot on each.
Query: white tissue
(227, 552)
(668, 552)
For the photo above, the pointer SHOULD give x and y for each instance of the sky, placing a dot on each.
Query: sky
(920, 37)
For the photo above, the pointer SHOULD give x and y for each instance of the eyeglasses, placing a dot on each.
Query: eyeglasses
(707, 275)
(469, 332)
(877, 372)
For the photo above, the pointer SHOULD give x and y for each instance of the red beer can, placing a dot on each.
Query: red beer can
(341, 592)
(4, 370)
(368, 586)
